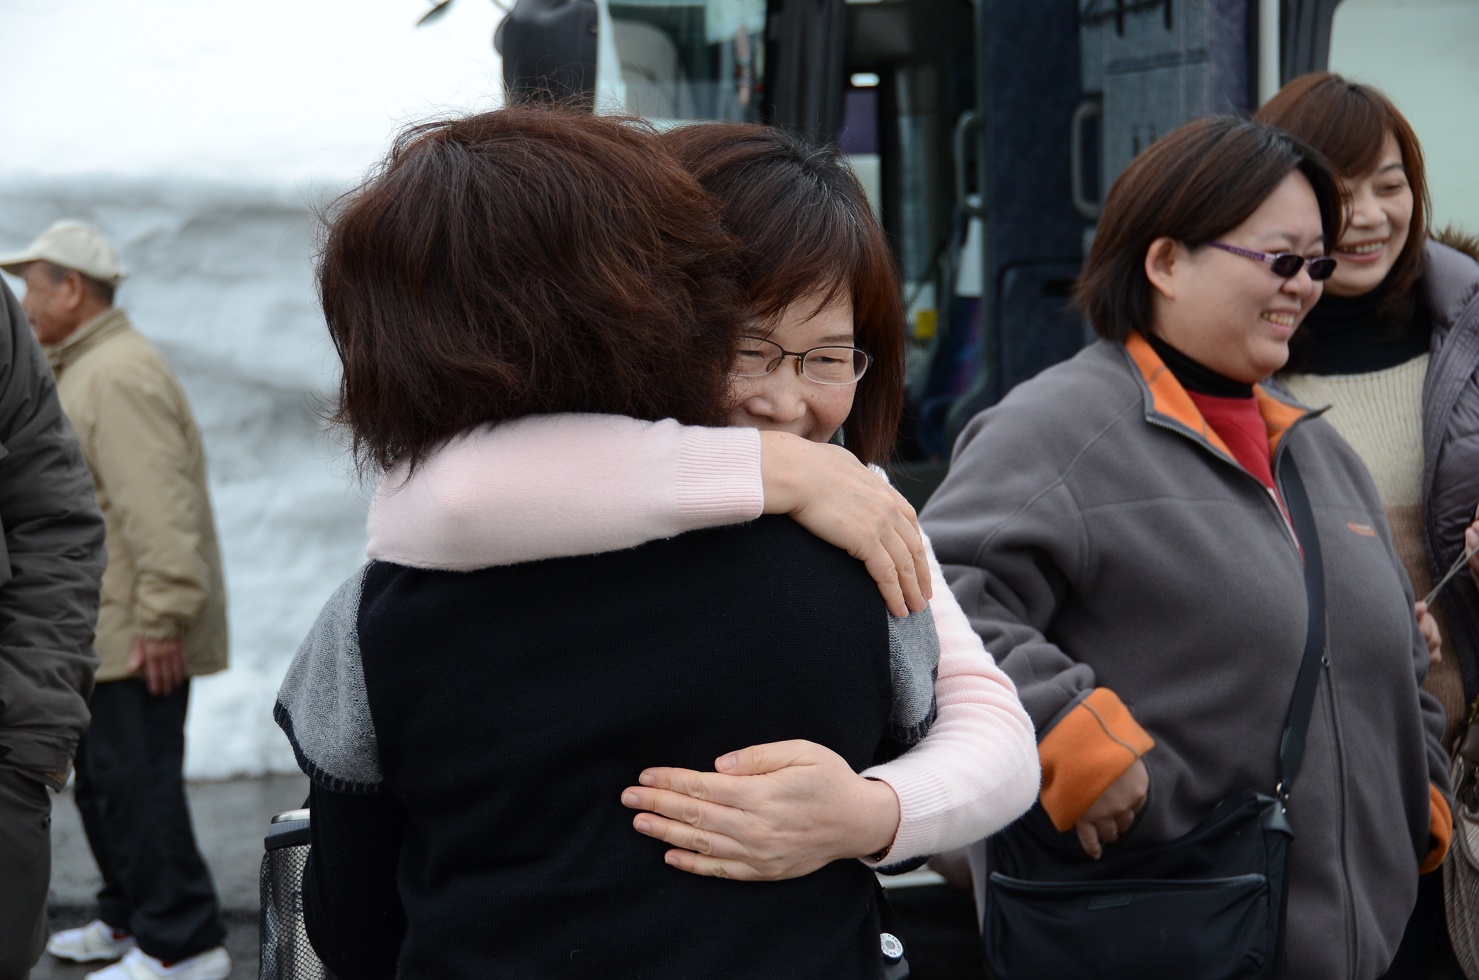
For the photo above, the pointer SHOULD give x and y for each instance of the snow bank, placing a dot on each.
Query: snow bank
(199, 137)
(221, 280)
(283, 91)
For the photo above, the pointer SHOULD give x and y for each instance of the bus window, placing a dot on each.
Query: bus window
(695, 60)
(1420, 53)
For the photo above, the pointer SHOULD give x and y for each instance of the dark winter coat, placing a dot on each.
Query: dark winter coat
(51, 562)
(1450, 290)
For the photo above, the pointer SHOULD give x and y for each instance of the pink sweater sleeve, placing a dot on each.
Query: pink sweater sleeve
(977, 770)
(551, 486)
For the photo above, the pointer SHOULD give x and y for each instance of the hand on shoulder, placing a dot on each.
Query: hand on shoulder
(828, 491)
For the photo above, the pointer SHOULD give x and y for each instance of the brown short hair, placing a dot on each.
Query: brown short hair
(806, 225)
(1196, 183)
(527, 260)
(1347, 122)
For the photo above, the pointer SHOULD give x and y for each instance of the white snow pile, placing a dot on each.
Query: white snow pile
(221, 280)
(200, 137)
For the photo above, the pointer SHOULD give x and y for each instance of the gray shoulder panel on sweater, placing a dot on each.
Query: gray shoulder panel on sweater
(914, 658)
(322, 705)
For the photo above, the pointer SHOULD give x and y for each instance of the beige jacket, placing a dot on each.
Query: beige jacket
(141, 442)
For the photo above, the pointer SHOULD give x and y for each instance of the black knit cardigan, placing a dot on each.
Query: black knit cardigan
(479, 832)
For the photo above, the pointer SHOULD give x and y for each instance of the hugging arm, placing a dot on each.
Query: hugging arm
(559, 485)
(827, 491)
(786, 808)
(977, 770)
(773, 811)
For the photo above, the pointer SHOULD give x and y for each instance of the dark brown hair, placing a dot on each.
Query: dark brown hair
(522, 261)
(1196, 183)
(807, 226)
(1348, 123)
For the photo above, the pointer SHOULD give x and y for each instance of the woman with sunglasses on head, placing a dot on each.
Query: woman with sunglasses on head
(1118, 530)
(822, 363)
(468, 734)
(1393, 349)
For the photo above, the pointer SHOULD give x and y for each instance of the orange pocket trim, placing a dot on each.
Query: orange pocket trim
(1085, 752)
(1440, 826)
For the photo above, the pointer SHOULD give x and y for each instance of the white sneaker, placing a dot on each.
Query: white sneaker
(92, 943)
(213, 964)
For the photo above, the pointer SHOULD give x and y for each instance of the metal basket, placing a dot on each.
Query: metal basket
(286, 954)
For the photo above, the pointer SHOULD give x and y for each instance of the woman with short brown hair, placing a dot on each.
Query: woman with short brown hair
(1393, 349)
(462, 290)
(803, 220)
(1116, 530)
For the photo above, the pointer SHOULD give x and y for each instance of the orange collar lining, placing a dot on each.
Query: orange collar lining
(1170, 400)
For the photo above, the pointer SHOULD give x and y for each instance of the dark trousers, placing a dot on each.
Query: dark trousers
(25, 870)
(131, 791)
(1426, 952)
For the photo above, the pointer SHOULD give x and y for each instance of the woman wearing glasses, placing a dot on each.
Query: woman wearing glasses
(822, 363)
(1393, 349)
(1116, 531)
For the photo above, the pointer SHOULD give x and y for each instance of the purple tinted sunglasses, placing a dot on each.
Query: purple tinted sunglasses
(1285, 265)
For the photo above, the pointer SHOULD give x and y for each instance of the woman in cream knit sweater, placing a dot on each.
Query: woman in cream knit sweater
(1393, 349)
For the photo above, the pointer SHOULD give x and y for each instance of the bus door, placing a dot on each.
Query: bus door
(1070, 94)
(1032, 237)
(909, 110)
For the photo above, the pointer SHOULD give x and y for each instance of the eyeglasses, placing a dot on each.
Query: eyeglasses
(1285, 265)
(756, 357)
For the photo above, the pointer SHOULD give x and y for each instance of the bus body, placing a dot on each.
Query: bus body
(987, 132)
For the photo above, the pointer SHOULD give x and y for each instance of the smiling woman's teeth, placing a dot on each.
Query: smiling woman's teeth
(1282, 319)
(1367, 248)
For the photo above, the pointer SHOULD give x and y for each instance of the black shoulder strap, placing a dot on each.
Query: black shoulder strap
(1291, 748)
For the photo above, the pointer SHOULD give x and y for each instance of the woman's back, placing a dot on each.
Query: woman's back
(510, 706)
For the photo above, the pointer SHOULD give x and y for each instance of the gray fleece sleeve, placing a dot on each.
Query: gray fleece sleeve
(914, 660)
(323, 707)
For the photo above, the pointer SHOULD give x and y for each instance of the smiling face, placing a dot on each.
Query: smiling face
(785, 400)
(1231, 313)
(1379, 219)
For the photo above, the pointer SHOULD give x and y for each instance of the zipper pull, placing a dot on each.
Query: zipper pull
(1284, 516)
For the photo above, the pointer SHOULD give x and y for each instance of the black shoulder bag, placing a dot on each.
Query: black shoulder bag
(1209, 904)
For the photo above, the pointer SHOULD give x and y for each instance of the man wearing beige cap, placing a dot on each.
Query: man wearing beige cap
(162, 618)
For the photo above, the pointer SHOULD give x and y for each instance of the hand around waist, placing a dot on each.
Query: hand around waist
(774, 811)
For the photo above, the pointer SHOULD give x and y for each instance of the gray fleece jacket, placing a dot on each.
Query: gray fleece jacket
(1145, 593)
(51, 563)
